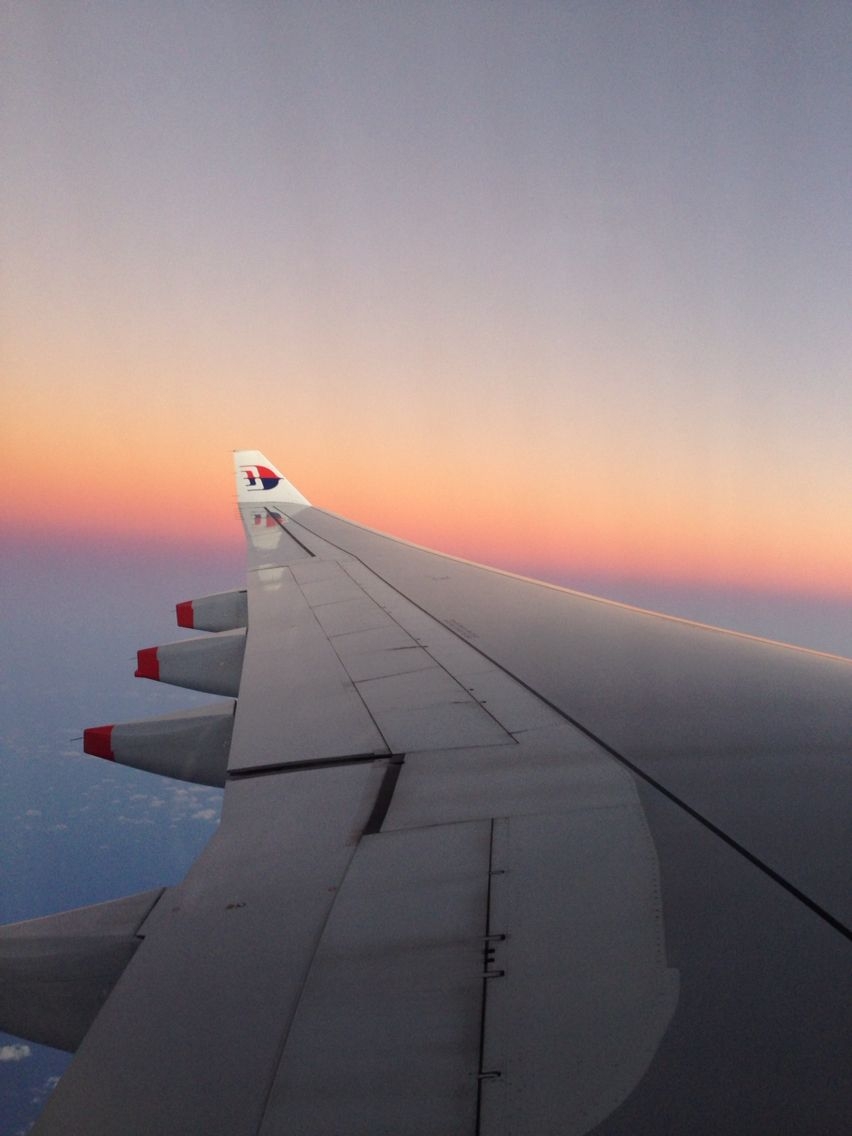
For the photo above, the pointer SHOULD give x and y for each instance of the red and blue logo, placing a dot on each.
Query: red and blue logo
(267, 519)
(258, 477)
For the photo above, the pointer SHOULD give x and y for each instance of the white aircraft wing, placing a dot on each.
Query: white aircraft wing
(495, 858)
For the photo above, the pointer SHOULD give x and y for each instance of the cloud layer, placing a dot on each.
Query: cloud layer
(15, 1052)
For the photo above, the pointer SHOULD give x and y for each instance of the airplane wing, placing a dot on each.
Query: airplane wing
(495, 857)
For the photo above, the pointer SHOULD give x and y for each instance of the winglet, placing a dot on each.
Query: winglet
(259, 482)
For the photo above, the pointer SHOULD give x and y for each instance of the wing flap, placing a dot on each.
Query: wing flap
(190, 1038)
(387, 1034)
(583, 994)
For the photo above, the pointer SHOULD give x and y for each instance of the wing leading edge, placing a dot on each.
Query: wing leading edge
(494, 857)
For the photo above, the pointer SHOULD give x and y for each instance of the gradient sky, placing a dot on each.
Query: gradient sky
(562, 287)
(565, 286)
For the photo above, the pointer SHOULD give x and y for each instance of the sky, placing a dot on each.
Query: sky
(560, 287)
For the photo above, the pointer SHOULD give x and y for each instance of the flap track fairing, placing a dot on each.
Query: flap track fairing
(211, 663)
(191, 745)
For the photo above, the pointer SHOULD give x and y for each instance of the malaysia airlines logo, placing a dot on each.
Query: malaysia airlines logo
(258, 477)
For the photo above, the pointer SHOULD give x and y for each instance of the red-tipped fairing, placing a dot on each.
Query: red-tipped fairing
(191, 745)
(211, 663)
(97, 741)
(224, 611)
(147, 663)
(185, 616)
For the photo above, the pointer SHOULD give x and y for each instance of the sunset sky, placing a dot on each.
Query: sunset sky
(565, 287)
(561, 287)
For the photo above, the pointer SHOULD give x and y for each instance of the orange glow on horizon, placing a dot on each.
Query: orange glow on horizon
(118, 476)
(534, 538)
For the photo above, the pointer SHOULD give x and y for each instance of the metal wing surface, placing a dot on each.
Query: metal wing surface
(495, 858)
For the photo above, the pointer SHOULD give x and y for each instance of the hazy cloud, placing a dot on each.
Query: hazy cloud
(14, 1052)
